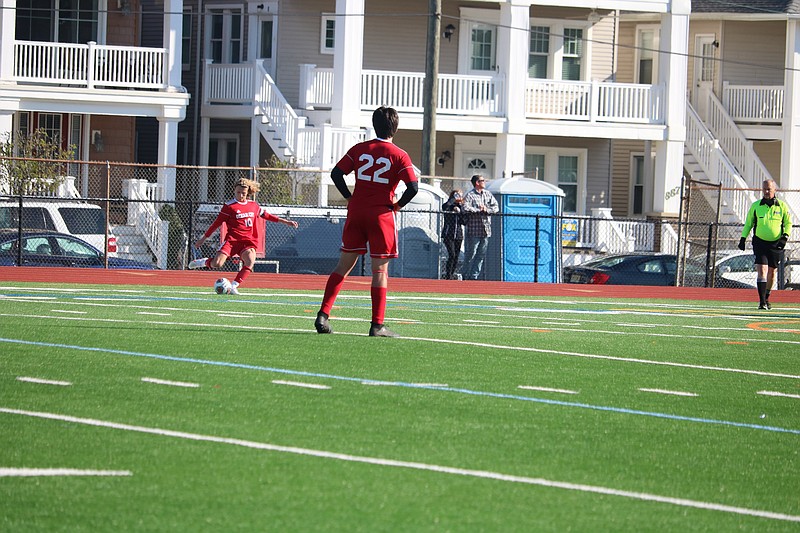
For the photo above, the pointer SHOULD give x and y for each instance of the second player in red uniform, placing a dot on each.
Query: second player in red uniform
(239, 216)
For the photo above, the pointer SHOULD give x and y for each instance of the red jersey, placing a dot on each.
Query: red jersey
(240, 220)
(380, 165)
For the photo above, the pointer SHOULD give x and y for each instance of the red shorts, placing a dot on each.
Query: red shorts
(232, 248)
(374, 227)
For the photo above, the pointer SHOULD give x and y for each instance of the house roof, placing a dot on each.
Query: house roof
(747, 6)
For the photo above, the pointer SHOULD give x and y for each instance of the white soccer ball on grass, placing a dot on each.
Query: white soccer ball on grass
(222, 286)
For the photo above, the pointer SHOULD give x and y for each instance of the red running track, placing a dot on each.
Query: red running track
(260, 280)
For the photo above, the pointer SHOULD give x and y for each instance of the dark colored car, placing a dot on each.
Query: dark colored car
(638, 269)
(53, 249)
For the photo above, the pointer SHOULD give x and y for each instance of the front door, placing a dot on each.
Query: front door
(704, 73)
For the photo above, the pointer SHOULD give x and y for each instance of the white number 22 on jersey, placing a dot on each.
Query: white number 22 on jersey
(366, 173)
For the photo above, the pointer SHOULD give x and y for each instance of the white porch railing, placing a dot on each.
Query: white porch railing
(273, 107)
(89, 65)
(705, 148)
(754, 103)
(732, 140)
(594, 101)
(143, 215)
(613, 236)
(228, 83)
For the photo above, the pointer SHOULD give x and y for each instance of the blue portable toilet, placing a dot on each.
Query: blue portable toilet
(514, 254)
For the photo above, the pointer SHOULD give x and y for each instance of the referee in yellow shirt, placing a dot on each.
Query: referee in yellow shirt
(769, 218)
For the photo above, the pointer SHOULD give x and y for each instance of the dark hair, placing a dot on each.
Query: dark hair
(475, 178)
(385, 121)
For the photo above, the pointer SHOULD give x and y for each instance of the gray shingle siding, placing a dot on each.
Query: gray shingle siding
(747, 6)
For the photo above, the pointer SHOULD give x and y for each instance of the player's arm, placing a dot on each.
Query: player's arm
(221, 217)
(269, 217)
(412, 188)
(337, 176)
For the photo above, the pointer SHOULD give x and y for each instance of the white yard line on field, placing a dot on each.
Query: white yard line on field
(379, 461)
(301, 384)
(434, 340)
(38, 472)
(68, 311)
(670, 392)
(152, 313)
(547, 389)
(44, 381)
(171, 383)
(779, 394)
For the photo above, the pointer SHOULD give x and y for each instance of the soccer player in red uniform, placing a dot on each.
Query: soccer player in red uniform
(379, 166)
(239, 216)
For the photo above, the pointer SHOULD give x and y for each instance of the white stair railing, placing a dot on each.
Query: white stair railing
(275, 111)
(143, 215)
(732, 140)
(610, 236)
(718, 168)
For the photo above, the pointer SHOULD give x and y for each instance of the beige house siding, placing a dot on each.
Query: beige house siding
(299, 30)
(621, 172)
(753, 52)
(603, 50)
(770, 154)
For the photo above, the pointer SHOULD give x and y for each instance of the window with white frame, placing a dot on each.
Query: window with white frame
(562, 167)
(647, 44)
(225, 35)
(640, 184)
(539, 55)
(573, 54)
(327, 36)
(558, 50)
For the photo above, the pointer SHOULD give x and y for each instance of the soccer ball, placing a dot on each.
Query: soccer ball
(222, 286)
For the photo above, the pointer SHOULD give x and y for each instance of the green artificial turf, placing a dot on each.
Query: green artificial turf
(489, 414)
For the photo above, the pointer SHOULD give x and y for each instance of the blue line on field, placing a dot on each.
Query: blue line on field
(621, 410)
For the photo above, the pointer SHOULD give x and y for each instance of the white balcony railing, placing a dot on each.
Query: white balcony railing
(228, 83)
(89, 65)
(594, 101)
(754, 103)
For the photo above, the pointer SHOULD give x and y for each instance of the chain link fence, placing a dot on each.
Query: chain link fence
(124, 210)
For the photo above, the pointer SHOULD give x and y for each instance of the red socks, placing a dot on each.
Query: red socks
(242, 275)
(378, 295)
(332, 288)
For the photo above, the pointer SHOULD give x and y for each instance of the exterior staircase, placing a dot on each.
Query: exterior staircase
(132, 245)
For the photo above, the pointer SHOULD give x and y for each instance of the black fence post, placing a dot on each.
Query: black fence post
(709, 265)
(19, 232)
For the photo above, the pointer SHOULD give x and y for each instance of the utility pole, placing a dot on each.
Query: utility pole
(430, 89)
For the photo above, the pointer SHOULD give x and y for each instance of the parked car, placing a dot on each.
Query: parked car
(733, 268)
(639, 269)
(54, 249)
(81, 219)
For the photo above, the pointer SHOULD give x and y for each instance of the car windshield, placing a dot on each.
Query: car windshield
(82, 221)
(605, 262)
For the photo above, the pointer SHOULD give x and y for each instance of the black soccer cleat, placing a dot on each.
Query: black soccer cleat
(321, 323)
(768, 305)
(379, 330)
(762, 306)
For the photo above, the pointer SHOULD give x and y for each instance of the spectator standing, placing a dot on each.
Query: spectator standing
(479, 204)
(769, 220)
(379, 166)
(239, 216)
(453, 231)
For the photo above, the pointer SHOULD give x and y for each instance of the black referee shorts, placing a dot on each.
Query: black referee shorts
(766, 252)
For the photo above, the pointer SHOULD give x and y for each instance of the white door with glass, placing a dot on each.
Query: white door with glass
(705, 68)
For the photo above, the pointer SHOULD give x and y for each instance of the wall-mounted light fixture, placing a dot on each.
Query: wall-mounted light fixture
(260, 7)
(715, 44)
(448, 31)
(97, 140)
(444, 157)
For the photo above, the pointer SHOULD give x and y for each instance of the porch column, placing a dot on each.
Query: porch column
(512, 61)
(255, 144)
(8, 12)
(673, 67)
(347, 61)
(790, 149)
(173, 35)
(6, 123)
(167, 154)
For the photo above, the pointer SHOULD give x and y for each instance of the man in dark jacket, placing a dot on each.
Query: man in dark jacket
(452, 231)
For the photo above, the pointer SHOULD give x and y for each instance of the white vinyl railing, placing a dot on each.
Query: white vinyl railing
(271, 104)
(594, 101)
(228, 84)
(89, 65)
(705, 148)
(754, 103)
(732, 140)
(143, 215)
